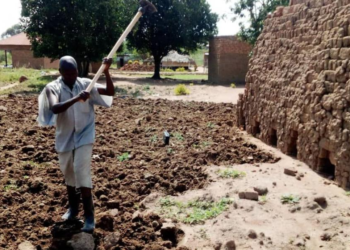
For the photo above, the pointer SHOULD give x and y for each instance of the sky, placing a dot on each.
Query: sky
(10, 12)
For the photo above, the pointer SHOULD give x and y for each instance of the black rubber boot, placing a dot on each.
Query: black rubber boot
(89, 215)
(73, 200)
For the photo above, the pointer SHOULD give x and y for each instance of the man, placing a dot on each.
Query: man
(66, 104)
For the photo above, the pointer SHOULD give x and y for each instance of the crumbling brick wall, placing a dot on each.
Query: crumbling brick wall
(228, 60)
(297, 93)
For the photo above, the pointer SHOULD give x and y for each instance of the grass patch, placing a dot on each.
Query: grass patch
(179, 136)
(347, 193)
(185, 77)
(233, 85)
(147, 87)
(262, 199)
(194, 212)
(290, 199)
(230, 173)
(154, 139)
(181, 89)
(120, 91)
(123, 157)
(210, 125)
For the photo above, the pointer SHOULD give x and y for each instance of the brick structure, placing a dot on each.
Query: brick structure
(22, 56)
(297, 93)
(228, 60)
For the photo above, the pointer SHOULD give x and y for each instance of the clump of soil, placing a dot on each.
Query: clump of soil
(32, 189)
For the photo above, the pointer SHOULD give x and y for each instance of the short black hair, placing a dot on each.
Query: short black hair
(67, 63)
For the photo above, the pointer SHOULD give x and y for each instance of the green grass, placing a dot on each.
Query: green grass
(35, 83)
(230, 173)
(123, 157)
(154, 139)
(347, 193)
(194, 212)
(178, 136)
(2, 58)
(210, 125)
(263, 199)
(290, 199)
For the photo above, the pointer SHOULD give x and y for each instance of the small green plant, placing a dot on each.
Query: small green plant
(170, 151)
(11, 186)
(178, 136)
(147, 87)
(263, 199)
(154, 139)
(167, 202)
(181, 90)
(233, 85)
(207, 144)
(230, 173)
(347, 193)
(290, 199)
(123, 157)
(130, 62)
(203, 233)
(210, 125)
(181, 69)
(191, 84)
(136, 62)
(26, 177)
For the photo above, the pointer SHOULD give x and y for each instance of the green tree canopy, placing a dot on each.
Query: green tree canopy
(256, 11)
(178, 25)
(84, 29)
(13, 30)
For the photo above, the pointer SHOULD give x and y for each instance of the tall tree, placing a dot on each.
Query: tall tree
(13, 30)
(84, 29)
(256, 11)
(178, 25)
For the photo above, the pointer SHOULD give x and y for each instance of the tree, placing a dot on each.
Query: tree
(178, 25)
(256, 11)
(84, 29)
(13, 30)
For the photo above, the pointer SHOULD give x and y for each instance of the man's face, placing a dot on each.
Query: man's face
(69, 76)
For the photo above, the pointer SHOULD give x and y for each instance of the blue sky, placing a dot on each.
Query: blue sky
(10, 11)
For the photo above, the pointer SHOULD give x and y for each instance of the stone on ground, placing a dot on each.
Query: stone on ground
(26, 245)
(82, 241)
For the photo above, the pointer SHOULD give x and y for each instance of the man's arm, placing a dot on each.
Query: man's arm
(60, 107)
(109, 90)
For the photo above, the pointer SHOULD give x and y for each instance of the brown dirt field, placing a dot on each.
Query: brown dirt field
(32, 190)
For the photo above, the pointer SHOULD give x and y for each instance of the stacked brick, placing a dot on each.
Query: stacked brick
(297, 93)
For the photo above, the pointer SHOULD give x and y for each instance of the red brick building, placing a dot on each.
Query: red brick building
(228, 60)
(22, 56)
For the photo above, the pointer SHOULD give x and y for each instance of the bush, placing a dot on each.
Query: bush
(233, 85)
(181, 90)
(129, 62)
(167, 70)
(136, 62)
(180, 70)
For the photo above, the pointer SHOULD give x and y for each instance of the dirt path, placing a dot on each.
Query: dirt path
(303, 225)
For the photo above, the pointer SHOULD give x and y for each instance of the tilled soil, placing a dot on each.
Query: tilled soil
(32, 190)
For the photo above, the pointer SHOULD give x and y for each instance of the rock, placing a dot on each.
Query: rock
(261, 190)
(29, 148)
(230, 245)
(23, 79)
(291, 172)
(26, 245)
(312, 205)
(111, 240)
(113, 204)
(3, 108)
(168, 244)
(249, 195)
(321, 200)
(294, 209)
(105, 221)
(113, 212)
(138, 121)
(103, 198)
(217, 245)
(326, 237)
(82, 241)
(137, 216)
(299, 242)
(229, 123)
(252, 234)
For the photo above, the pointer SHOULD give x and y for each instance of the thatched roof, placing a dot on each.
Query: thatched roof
(174, 57)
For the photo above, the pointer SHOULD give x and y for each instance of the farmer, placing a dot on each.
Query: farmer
(66, 104)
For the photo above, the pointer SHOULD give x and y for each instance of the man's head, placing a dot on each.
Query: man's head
(68, 70)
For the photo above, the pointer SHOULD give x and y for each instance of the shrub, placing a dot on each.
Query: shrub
(129, 62)
(180, 70)
(167, 70)
(181, 90)
(233, 85)
(136, 62)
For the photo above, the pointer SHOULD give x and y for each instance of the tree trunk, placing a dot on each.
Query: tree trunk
(157, 61)
(83, 67)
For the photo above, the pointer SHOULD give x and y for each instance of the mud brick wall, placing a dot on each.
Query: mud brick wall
(25, 58)
(228, 60)
(297, 93)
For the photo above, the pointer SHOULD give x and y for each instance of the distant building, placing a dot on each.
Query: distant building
(228, 60)
(22, 56)
(175, 60)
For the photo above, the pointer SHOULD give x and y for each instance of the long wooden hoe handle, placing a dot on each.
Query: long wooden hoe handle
(115, 48)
